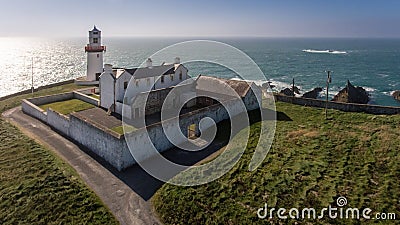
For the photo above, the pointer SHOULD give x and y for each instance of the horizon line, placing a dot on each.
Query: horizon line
(209, 36)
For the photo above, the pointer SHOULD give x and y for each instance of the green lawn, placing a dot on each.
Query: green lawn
(94, 96)
(37, 187)
(312, 162)
(120, 129)
(68, 106)
(16, 101)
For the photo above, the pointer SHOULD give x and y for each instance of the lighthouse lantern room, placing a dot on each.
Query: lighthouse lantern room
(94, 52)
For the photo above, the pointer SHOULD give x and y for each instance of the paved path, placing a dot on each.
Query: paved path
(126, 193)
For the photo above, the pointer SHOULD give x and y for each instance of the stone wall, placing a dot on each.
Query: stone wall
(30, 105)
(112, 146)
(58, 121)
(156, 136)
(34, 111)
(51, 98)
(108, 145)
(86, 98)
(347, 107)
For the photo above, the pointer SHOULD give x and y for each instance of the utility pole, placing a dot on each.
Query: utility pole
(328, 81)
(32, 87)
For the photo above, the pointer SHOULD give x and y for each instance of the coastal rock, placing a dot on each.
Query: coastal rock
(296, 90)
(312, 94)
(267, 85)
(396, 95)
(287, 92)
(351, 94)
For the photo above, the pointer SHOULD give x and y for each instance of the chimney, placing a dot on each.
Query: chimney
(149, 63)
(177, 60)
(108, 68)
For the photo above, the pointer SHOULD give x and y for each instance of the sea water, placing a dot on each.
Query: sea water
(371, 63)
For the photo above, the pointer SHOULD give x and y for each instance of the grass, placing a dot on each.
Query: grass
(37, 187)
(68, 106)
(16, 101)
(312, 162)
(120, 129)
(94, 96)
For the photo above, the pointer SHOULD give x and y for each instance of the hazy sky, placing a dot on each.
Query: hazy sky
(280, 18)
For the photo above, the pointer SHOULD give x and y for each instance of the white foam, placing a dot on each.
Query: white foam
(324, 51)
(369, 89)
(277, 85)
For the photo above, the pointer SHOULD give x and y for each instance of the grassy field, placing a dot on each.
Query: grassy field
(68, 106)
(16, 101)
(120, 129)
(36, 187)
(312, 162)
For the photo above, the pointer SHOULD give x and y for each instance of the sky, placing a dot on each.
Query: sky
(205, 18)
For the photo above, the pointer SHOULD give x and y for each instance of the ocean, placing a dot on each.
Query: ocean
(371, 63)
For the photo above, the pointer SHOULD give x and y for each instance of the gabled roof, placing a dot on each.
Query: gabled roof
(215, 85)
(153, 71)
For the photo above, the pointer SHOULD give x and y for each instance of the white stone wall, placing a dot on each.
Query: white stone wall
(34, 111)
(58, 121)
(86, 98)
(51, 98)
(110, 147)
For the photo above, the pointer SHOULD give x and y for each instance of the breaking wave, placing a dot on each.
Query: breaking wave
(324, 51)
(369, 89)
(276, 86)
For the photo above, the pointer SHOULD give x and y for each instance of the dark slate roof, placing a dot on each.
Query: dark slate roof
(95, 28)
(151, 71)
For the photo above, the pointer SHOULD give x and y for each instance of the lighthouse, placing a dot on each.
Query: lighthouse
(94, 52)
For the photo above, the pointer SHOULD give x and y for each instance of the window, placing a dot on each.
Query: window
(98, 55)
(172, 77)
(162, 78)
(137, 83)
(180, 75)
(148, 81)
(95, 40)
(136, 113)
(95, 32)
(125, 85)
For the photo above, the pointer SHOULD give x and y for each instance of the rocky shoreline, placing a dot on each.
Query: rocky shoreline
(396, 95)
(352, 94)
(349, 94)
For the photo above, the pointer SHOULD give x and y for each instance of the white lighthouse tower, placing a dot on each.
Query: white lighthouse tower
(94, 52)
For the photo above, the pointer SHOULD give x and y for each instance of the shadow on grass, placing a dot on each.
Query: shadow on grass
(146, 186)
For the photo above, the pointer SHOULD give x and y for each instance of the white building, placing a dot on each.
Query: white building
(94, 52)
(114, 82)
